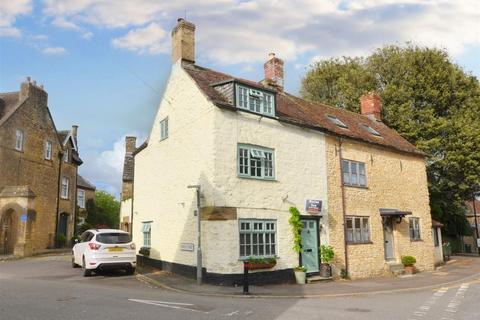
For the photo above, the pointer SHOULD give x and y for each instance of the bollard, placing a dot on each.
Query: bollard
(245, 278)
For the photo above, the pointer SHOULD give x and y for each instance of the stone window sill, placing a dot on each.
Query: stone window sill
(359, 243)
(356, 187)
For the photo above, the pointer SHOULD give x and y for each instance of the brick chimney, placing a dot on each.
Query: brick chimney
(371, 106)
(130, 144)
(273, 69)
(74, 131)
(183, 41)
(29, 89)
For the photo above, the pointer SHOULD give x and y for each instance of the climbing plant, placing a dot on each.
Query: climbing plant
(296, 224)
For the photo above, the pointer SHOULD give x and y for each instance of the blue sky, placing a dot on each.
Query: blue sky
(104, 63)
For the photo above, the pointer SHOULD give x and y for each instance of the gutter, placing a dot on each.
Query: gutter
(340, 157)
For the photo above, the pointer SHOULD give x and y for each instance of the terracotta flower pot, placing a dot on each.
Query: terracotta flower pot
(410, 269)
(258, 266)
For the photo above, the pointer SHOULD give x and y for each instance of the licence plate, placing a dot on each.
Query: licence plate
(115, 249)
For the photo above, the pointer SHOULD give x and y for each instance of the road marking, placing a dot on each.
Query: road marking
(453, 305)
(421, 311)
(231, 313)
(167, 304)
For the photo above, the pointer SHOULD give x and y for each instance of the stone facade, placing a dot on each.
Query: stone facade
(394, 180)
(88, 191)
(126, 198)
(29, 220)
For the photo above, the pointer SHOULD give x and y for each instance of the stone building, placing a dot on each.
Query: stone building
(255, 151)
(469, 243)
(38, 168)
(126, 198)
(85, 193)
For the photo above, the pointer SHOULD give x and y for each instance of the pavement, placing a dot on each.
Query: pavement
(48, 288)
(459, 269)
(10, 257)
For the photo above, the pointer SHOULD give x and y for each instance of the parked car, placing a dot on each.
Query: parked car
(101, 249)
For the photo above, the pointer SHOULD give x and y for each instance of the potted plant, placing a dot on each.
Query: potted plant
(409, 264)
(261, 263)
(144, 251)
(326, 257)
(300, 274)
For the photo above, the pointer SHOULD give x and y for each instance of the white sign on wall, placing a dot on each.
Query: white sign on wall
(187, 246)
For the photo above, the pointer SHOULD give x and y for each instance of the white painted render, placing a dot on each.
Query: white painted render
(125, 209)
(202, 149)
(439, 248)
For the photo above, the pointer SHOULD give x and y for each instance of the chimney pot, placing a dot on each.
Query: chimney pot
(274, 73)
(371, 106)
(74, 130)
(29, 79)
(183, 41)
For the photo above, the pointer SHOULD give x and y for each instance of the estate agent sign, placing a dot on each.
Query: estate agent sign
(313, 206)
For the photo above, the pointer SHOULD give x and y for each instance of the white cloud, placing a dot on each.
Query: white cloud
(231, 32)
(150, 39)
(9, 10)
(54, 51)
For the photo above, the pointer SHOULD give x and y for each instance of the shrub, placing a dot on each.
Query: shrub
(300, 268)
(408, 261)
(326, 254)
(61, 240)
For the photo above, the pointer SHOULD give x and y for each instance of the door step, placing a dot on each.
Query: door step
(315, 279)
(396, 268)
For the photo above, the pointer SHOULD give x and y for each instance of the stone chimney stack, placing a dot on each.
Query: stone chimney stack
(274, 73)
(130, 144)
(371, 106)
(74, 131)
(29, 89)
(183, 41)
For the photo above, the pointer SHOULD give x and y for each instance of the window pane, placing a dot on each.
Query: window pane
(349, 223)
(349, 235)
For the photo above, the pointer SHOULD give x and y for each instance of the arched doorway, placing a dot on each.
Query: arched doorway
(8, 232)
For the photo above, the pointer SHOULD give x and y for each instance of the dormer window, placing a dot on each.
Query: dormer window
(255, 100)
(371, 130)
(337, 121)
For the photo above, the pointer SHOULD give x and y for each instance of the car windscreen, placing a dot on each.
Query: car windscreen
(113, 238)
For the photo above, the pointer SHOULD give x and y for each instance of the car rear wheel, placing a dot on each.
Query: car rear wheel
(130, 270)
(86, 272)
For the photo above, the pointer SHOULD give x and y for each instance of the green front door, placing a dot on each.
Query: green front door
(309, 253)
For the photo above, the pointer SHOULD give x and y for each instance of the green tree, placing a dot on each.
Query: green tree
(429, 100)
(104, 211)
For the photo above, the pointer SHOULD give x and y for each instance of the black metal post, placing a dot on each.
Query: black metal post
(245, 278)
(476, 223)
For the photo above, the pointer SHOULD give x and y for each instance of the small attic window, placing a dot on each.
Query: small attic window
(337, 121)
(371, 130)
(255, 100)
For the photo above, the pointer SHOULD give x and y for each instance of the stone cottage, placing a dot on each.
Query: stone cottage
(38, 173)
(255, 151)
(126, 197)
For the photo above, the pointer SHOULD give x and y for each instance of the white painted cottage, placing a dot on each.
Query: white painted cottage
(250, 166)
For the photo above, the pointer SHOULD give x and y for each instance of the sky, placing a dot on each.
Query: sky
(105, 63)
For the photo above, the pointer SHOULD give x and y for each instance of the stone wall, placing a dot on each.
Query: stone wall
(394, 180)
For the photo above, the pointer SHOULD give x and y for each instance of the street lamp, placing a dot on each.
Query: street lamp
(199, 234)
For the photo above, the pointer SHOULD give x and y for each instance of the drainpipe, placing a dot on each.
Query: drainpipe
(340, 157)
(60, 156)
(75, 204)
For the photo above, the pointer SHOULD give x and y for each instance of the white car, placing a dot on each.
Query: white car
(101, 249)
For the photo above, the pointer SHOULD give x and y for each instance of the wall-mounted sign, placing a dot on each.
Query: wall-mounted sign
(23, 217)
(187, 246)
(313, 206)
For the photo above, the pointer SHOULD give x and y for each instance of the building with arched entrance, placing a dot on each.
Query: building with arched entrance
(38, 174)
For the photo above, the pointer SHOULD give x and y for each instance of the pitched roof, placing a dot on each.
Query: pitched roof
(9, 102)
(297, 111)
(83, 183)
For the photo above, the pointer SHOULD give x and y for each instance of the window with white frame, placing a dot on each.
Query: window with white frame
(147, 234)
(257, 238)
(358, 229)
(353, 173)
(164, 129)
(64, 188)
(255, 100)
(48, 150)
(66, 155)
(81, 198)
(19, 140)
(414, 228)
(256, 162)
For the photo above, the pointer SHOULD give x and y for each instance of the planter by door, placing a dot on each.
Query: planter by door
(325, 270)
(310, 244)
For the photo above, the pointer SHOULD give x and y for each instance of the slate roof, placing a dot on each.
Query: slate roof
(9, 102)
(297, 111)
(83, 183)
